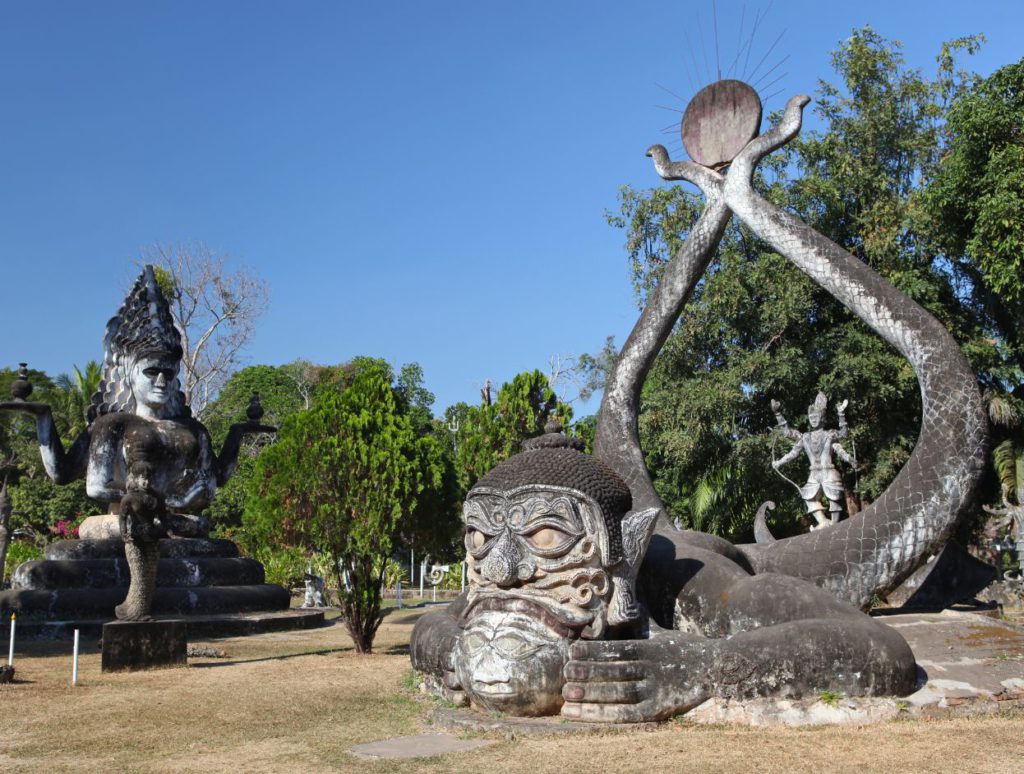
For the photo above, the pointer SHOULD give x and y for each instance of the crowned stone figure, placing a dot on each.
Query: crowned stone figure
(142, 453)
(819, 445)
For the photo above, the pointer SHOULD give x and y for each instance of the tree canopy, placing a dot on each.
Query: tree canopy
(758, 329)
(342, 478)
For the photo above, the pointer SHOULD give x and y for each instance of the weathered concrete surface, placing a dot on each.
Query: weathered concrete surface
(969, 664)
(465, 719)
(420, 746)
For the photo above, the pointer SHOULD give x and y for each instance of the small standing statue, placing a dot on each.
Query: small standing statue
(818, 445)
(1010, 515)
(142, 452)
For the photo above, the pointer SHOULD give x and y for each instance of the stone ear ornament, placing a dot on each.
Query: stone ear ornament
(637, 530)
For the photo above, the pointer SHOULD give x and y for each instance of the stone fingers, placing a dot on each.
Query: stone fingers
(604, 713)
(613, 671)
(626, 692)
(604, 650)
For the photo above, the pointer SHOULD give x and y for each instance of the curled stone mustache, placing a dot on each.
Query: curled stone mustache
(565, 621)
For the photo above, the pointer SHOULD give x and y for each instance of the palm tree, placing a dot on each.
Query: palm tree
(72, 394)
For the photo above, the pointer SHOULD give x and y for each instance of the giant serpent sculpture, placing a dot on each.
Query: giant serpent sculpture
(584, 600)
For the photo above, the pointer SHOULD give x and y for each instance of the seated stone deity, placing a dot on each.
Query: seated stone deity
(142, 450)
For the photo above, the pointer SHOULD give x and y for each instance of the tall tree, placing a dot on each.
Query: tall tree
(342, 478)
(493, 431)
(973, 209)
(215, 310)
(758, 329)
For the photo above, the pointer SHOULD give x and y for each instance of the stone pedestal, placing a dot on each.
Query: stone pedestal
(134, 645)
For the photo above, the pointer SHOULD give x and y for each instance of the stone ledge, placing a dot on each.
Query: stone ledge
(135, 645)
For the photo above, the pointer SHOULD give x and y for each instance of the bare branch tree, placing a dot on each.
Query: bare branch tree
(303, 374)
(563, 376)
(216, 313)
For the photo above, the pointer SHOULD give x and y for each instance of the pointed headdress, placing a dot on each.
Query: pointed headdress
(142, 327)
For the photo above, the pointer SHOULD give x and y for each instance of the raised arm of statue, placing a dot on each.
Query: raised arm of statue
(227, 460)
(782, 423)
(844, 429)
(60, 466)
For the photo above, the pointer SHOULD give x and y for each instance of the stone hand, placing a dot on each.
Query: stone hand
(630, 681)
(841, 408)
(26, 407)
(246, 428)
(776, 406)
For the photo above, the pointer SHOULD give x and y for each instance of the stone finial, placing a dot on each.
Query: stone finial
(254, 411)
(21, 387)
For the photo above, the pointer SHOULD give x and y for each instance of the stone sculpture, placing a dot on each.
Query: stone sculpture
(585, 600)
(1010, 516)
(314, 590)
(142, 453)
(818, 445)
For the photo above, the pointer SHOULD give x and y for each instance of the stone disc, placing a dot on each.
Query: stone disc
(719, 121)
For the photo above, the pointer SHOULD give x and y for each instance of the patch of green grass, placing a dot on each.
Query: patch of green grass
(411, 681)
(831, 698)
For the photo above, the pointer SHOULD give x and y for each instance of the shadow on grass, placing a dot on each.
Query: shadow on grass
(282, 657)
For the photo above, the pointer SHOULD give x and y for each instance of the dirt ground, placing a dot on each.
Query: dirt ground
(296, 702)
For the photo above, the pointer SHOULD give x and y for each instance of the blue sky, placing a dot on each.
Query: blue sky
(419, 181)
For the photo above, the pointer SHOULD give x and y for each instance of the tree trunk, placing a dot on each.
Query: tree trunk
(5, 531)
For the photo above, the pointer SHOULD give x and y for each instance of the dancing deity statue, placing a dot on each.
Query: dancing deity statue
(142, 453)
(585, 601)
(818, 445)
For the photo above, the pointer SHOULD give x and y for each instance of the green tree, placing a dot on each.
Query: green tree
(756, 328)
(494, 431)
(973, 209)
(341, 479)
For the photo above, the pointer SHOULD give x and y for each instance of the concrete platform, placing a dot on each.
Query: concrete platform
(199, 626)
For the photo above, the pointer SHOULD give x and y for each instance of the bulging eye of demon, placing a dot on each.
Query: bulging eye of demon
(549, 540)
(475, 539)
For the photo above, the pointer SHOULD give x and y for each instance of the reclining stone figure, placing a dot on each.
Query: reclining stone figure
(584, 600)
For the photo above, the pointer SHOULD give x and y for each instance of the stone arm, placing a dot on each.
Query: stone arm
(103, 453)
(60, 465)
(201, 492)
(844, 455)
(432, 649)
(791, 455)
(783, 424)
(844, 428)
(227, 460)
(631, 681)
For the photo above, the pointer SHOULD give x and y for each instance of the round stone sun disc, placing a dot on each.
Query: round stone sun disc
(719, 121)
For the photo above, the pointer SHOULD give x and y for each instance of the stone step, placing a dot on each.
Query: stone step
(199, 626)
(171, 548)
(105, 573)
(200, 600)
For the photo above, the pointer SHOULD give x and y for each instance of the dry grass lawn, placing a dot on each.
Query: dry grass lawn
(296, 702)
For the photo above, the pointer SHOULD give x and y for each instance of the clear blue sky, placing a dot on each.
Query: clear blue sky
(416, 180)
